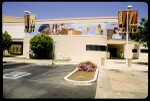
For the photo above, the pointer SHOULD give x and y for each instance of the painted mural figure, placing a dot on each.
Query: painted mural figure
(63, 29)
(45, 29)
(88, 30)
(116, 34)
(99, 30)
(129, 36)
(55, 29)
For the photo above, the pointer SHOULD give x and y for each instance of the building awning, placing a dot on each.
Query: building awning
(121, 41)
(17, 39)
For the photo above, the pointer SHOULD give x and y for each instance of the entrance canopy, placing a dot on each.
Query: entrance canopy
(120, 41)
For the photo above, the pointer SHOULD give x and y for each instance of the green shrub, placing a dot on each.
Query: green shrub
(42, 46)
(6, 41)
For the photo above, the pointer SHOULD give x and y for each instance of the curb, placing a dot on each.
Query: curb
(43, 64)
(89, 82)
(37, 62)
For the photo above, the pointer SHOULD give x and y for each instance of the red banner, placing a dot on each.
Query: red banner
(26, 21)
(132, 18)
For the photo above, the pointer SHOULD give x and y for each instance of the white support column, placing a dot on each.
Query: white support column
(127, 40)
(26, 46)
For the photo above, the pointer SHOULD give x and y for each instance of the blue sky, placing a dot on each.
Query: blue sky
(51, 10)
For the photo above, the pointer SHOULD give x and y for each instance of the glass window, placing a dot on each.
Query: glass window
(144, 50)
(134, 50)
(95, 48)
(88, 47)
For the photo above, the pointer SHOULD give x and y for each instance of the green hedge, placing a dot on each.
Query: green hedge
(42, 46)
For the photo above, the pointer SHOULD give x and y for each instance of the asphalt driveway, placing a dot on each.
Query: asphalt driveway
(44, 82)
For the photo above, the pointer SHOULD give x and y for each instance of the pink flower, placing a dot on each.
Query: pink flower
(86, 66)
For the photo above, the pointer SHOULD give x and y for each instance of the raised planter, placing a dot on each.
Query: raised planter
(74, 82)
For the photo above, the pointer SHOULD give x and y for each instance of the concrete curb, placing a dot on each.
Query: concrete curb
(37, 62)
(34, 62)
(90, 82)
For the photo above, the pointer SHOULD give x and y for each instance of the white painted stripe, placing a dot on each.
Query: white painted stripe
(4, 76)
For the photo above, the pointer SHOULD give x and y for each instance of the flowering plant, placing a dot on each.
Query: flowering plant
(86, 66)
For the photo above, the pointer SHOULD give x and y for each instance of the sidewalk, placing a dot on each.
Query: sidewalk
(137, 65)
(36, 61)
(120, 84)
(109, 63)
(117, 80)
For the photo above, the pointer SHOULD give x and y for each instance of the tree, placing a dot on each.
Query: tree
(6, 41)
(142, 35)
(42, 46)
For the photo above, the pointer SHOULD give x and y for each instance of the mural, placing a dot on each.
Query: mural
(105, 29)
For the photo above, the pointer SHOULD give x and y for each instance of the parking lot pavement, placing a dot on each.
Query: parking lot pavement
(44, 82)
(12, 64)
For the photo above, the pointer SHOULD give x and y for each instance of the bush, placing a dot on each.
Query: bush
(142, 35)
(42, 46)
(86, 66)
(6, 41)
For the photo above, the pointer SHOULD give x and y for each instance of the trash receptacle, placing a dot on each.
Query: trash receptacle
(129, 62)
(102, 61)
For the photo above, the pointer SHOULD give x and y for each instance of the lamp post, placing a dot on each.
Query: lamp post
(128, 8)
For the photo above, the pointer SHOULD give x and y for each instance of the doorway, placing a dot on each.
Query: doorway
(113, 52)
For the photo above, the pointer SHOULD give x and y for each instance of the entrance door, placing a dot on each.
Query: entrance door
(113, 52)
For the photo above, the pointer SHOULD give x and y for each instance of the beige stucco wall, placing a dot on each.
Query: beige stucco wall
(136, 54)
(143, 57)
(16, 30)
(130, 53)
(74, 47)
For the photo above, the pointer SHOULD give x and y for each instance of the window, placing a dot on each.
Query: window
(144, 50)
(16, 48)
(95, 48)
(88, 47)
(134, 50)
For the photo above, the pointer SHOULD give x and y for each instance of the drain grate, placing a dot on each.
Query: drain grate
(15, 74)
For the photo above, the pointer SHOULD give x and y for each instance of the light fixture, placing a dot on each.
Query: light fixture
(129, 6)
(27, 12)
